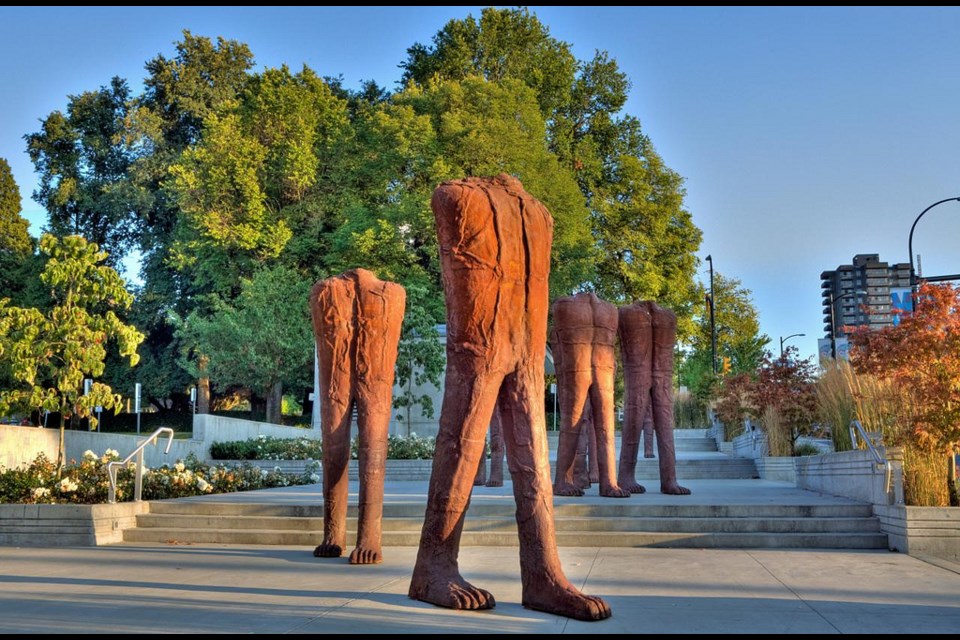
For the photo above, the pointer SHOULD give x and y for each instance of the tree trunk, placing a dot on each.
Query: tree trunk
(275, 403)
(60, 447)
(203, 386)
(952, 490)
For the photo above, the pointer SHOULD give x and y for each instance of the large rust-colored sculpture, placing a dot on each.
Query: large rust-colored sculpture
(586, 470)
(585, 330)
(494, 242)
(497, 452)
(356, 321)
(648, 336)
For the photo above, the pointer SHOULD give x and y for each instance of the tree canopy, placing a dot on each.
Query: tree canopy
(218, 174)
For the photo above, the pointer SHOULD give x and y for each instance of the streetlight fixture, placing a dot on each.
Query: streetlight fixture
(713, 324)
(913, 273)
(782, 340)
(833, 321)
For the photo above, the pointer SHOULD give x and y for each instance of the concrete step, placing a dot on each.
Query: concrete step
(587, 521)
(508, 524)
(569, 508)
(509, 539)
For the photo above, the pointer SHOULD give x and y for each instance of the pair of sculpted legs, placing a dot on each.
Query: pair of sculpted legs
(497, 451)
(647, 340)
(357, 320)
(585, 330)
(494, 243)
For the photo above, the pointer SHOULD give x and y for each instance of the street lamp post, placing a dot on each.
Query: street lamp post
(913, 273)
(833, 321)
(782, 340)
(713, 325)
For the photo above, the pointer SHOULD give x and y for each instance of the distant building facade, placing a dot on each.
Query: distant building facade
(863, 293)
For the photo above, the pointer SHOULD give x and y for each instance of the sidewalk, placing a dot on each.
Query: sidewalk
(256, 589)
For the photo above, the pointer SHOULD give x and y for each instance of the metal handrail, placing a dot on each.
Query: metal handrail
(879, 460)
(138, 452)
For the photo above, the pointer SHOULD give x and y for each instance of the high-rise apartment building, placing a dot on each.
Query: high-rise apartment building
(863, 293)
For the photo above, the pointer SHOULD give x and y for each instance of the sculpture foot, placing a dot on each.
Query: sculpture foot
(479, 483)
(595, 479)
(452, 592)
(566, 489)
(582, 483)
(366, 555)
(327, 550)
(649, 455)
(494, 483)
(568, 602)
(613, 491)
(632, 486)
(673, 489)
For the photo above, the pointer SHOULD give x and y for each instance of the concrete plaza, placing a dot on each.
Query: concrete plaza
(144, 587)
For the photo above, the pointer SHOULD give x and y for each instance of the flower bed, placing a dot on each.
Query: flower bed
(86, 481)
(411, 447)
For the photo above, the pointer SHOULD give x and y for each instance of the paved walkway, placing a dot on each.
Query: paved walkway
(211, 589)
(265, 589)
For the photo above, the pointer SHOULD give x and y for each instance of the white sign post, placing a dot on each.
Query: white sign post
(136, 404)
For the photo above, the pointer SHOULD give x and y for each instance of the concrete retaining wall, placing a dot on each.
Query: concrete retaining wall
(20, 445)
(852, 474)
(933, 531)
(67, 525)
(210, 428)
(752, 444)
(779, 469)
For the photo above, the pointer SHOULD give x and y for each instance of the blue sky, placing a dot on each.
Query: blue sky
(806, 135)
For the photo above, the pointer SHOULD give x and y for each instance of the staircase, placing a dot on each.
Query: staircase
(615, 523)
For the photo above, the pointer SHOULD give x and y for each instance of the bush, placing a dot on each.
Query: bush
(806, 449)
(87, 482)
(411, 447)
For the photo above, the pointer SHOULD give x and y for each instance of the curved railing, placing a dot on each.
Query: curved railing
(138, 452)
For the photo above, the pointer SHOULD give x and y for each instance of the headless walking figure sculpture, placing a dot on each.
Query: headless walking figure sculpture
(497, 452)
(585, 468)
(494, 242)
(648, 335)
(356, 320)
(586, 330)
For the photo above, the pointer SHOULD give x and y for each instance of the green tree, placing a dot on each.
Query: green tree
(262, 341)
(240, 188)
(202, 78)
(738, 336)
(420, 357)
(16, 245)
(49, 354)
(644, 241)
(82, 163)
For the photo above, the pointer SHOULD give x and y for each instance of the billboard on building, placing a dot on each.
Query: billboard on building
(900, 299)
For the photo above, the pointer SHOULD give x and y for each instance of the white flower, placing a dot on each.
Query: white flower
(67, 485)
(212, 471)
(179, 467)
(90, 455)
(111, 453)
(204, 486)
(314, 478)
(263, 472)
(277, 469)
(40, 492)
